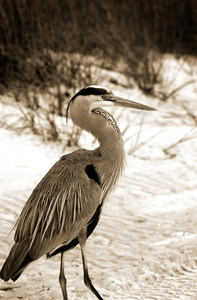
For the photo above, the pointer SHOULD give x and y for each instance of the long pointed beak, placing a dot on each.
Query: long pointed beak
(126, 103)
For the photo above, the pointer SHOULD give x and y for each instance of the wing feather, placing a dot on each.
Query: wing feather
(59, 207)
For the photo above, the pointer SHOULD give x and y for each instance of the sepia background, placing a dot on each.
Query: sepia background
(145, 244)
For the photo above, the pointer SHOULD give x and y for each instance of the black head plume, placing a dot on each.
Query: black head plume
(87, 91)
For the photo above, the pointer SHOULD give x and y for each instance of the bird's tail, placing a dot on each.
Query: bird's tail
(16, 261)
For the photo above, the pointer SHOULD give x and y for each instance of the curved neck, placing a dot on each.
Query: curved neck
(101, 125)
(109, 139)
(111, 159)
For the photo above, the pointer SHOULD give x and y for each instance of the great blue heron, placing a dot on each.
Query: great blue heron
(65, 207)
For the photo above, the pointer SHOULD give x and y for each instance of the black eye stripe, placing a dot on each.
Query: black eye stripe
(87, 92)
(91, 91)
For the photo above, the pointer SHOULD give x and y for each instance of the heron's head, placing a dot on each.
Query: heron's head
(95, 96)
(86, 109)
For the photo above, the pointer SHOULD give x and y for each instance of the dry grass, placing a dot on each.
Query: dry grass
(45, 50)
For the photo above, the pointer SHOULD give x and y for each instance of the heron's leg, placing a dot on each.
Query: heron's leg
(82, 237)
(62, 278)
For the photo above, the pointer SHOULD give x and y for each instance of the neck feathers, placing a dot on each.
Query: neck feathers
(110, 162)
(110, 165)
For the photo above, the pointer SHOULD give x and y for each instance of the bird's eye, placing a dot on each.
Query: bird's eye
(104, 97)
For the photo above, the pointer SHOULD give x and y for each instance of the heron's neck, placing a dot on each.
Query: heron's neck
(112, 162)
(105, 129)
(110, 140)
(109, 158)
